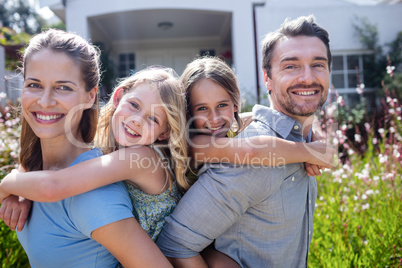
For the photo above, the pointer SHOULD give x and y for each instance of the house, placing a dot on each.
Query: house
(134, 34)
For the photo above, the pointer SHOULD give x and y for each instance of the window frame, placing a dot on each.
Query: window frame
(347, 91)
(128, 63)
(346, 72)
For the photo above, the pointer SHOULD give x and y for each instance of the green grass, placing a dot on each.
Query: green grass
(358, 216)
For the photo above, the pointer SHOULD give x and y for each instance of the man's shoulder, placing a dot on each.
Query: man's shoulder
(270, 122)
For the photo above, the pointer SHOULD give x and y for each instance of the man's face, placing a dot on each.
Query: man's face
(299, 76)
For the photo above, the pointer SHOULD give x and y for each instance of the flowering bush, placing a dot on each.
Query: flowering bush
(9, 131)
(11, 252)
(358, 214)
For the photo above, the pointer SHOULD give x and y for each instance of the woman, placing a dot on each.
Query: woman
(59, 118)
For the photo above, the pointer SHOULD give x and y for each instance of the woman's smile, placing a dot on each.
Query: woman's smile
(47, 118)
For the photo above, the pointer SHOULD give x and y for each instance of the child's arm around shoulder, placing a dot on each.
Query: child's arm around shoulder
(260, 150)
(52, 186)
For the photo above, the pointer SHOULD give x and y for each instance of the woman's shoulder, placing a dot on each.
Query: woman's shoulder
(93, 153)
(111, 194)
(136, 151)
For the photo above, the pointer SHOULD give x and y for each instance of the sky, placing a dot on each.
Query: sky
(45, 12)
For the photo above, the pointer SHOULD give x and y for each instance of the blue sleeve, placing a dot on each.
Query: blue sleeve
(100, 207)
(212, 205)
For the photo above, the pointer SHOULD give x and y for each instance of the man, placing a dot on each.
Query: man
(259, 216)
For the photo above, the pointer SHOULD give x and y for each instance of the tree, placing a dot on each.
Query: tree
(395, 54)
(20, 16)
(374, 65)
(379, 69)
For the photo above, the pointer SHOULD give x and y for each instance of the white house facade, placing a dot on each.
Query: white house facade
(135, 34)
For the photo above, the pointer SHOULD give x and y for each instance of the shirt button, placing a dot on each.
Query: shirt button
(296, 127)
(309, 232)
(293, 178)
(309, 201)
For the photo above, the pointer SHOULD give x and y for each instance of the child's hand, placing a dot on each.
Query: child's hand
(14, 211)
(312, 170)
(321, 154)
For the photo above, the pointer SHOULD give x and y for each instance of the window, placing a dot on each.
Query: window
(126, 64)
(347, 71)
(350, 70)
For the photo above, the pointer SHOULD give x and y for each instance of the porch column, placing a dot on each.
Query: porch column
(243, 49)
(76, 17)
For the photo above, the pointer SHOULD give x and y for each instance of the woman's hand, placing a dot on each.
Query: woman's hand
(14, 212)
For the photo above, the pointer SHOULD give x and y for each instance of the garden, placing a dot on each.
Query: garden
(358, 214)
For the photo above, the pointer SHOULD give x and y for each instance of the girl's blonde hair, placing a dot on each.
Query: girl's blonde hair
(86, 56)
(172, 95)
(216, 70)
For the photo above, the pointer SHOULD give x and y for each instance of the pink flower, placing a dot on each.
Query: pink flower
(359, 89)
(340, 101)
(358, 138)
(390, 70)
(367, 126)
(344, 127)
(383, 158)
(381, 131)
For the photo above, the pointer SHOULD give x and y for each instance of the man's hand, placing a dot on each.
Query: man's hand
(14, 211)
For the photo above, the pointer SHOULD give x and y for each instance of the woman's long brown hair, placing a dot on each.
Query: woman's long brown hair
(86, 56)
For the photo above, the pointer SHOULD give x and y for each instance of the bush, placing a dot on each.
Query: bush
(11, 252)
(358, 214)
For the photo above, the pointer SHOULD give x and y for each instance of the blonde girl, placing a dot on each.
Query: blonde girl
(142, 132)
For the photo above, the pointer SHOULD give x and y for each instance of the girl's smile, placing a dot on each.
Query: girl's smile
(139, 118)
(130, 131)
(212, 108)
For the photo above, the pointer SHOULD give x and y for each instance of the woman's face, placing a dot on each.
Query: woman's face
(54, 96)
(212, 108)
